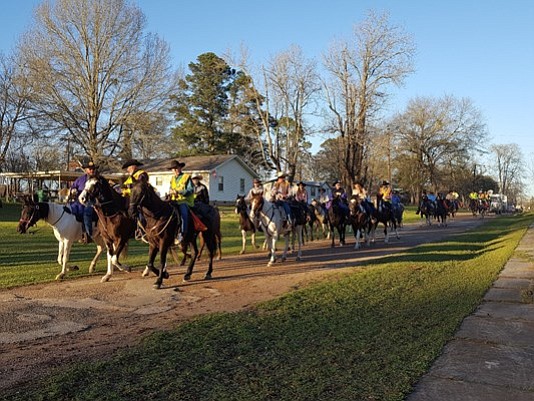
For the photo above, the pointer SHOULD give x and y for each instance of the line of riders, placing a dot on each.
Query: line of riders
(187, 194)
(480, 202)
(191, 198)
(433, 205)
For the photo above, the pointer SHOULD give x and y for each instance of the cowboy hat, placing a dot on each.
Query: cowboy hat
(336, 182)
(176, 164)
(281, 174)
(197, 177)
(385, 182)
(257, 180)
(302, 183)
(89, 164)
(131, 162)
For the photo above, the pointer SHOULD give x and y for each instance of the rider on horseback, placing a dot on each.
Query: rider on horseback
(385, 196)
(366, 204)
(339, 192)
(86, 211)
(280, 192)
(135, 175)
(182, 196)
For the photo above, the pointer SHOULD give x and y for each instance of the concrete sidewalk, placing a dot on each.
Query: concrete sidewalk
(491, 357)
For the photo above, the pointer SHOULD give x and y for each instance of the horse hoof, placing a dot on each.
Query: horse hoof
(105, 279)
(187, 277)
(207, 277)
(127, 269)
(298, 259)
(242, 252)
(165, 274)
(145, 272)
(157, 285)
(60, 276)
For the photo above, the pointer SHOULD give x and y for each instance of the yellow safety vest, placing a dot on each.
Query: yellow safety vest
(126, 189)
(178, 184)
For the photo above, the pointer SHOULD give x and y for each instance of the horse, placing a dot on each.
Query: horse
(337, 220)
(319, 220)
(452, 207)
(427, 210)
(398, 212)
(163, 221)
(383, 214)
(272, 217)
(245, 223)
(67, 230)
(215, 219)
(359, 221)
(441, 212)
(473, 206)
(115, 226)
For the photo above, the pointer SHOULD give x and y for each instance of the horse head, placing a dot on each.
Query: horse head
(29, 215)
(89, 190)
(240, 204)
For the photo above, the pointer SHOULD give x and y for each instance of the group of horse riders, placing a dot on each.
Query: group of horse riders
(430, 201)
(282, 194)
(185, 193)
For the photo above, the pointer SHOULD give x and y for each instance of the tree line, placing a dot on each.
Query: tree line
(87, 79)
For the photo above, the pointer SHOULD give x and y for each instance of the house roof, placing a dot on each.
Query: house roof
(195, 163)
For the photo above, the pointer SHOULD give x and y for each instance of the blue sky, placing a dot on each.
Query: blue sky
(482, 49)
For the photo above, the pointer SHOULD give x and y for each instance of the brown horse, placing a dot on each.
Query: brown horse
(383, 214)
(359, 220)
(245, 224)
(113, 222)
(163, 221)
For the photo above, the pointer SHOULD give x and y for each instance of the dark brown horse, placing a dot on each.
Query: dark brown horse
(163, 221)
(337, 220)
(114, 224)
(359, 220)
(245, 224)
(384, 214)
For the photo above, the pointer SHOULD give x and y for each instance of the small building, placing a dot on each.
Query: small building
(225, 176)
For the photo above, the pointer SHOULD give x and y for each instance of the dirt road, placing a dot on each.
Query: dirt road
(50, 325)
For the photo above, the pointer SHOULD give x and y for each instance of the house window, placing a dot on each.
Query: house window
(242, 185)
(221, 184)
(159, 181)
(312, 191)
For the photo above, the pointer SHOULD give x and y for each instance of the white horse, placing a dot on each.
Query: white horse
(67, 229)
(272, 217)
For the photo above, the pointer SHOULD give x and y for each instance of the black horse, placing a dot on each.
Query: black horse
(427, 210)
(384, 214)
(245, 224)
(337, 220)
(163, 221)
(359, 220)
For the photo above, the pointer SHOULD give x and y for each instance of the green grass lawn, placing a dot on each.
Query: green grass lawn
(366, 334)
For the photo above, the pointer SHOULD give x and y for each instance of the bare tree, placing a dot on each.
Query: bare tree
(14, 91)
(435, 133)
(361, 69)
(294, 82)
(282, 92)
(94, 68)
(509, 166)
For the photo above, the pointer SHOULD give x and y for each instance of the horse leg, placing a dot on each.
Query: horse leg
(189, 270)
(62, 259)
(99, 249)
(202, 244)
(244, 241)
(163, 274)
(152, 252)
(332, 236)
(271, 241)
(286, 246)
(300, 242)
(213, 244)
(117, 250)
(357, 233)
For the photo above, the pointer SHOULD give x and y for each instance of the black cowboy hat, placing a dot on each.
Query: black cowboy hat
(89, 164)
(336, 182)
(131, 162)
(302, 183)
(257, 180)
(176, 164)
(385, 182)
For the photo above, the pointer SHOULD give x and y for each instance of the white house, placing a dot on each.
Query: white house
(224, 175)
(312, 187)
